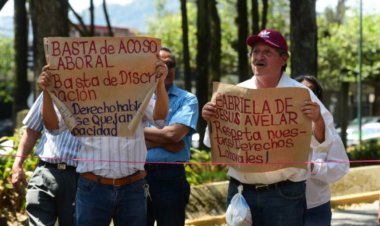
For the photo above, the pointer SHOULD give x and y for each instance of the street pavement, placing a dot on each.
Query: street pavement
(356, 215)
(364, 214)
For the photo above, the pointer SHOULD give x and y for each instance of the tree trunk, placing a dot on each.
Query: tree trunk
(343, 109)
(340, 11)
(22, 87)
(242, 21)
(264, 15)
(185, 46)
(92, 25)
(49, 19)
(82, 28)
(303, 36)
(255, 17)
(376, 103)
(216, 42)
(203, 38)
(110, 32)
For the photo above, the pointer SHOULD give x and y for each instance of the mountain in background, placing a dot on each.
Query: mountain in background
(6, 26)
(134, 15)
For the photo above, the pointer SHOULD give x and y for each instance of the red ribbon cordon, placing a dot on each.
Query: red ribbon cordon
(198, 163)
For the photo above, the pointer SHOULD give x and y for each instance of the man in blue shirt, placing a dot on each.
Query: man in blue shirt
(168, 149)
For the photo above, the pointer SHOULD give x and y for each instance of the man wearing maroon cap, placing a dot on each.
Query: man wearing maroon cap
(276, 197)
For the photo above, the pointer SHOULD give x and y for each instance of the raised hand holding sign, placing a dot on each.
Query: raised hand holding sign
(260, 130)
(104, 82)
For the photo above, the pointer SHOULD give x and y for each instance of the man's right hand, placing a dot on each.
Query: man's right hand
(45, 78)
(209, 111)
(27, 142)
(18, 179)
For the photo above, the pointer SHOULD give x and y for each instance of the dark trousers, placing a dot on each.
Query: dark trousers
(51, 196)
(169, 195)
(282, 205)
(320, 215)
(97, 204)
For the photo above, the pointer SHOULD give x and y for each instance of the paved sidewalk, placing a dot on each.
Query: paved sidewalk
(364, 214)
(361, 185)
(356, 215)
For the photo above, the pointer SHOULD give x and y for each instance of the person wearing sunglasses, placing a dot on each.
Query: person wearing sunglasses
(168, 150)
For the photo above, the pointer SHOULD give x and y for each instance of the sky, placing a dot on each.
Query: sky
(78, 5)
(371, 6)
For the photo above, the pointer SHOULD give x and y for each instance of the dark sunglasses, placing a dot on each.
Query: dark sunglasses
(170, 64)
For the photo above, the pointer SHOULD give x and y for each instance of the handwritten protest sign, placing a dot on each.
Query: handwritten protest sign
(260, 130)
(102, 85)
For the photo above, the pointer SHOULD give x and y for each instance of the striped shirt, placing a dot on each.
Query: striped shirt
(115, 157)
(52, 148)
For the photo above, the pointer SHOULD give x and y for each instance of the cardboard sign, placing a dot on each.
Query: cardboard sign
(260, 130)
(102, 85)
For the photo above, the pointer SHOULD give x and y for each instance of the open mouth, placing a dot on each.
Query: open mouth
(259, 64)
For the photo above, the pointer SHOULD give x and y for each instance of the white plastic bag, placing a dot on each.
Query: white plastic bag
(238, 212)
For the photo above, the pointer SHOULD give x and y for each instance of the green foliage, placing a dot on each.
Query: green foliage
(10, 202)
(278, 17)
(338, 46)
(363, 155)
(227, 14)
(203, 171)
(169, 29)
(6, 69)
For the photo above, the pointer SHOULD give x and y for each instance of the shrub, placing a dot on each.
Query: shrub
(7, 66)
(10, 203)
(366, 154)
(202, 170)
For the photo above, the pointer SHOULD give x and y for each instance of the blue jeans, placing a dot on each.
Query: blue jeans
(97, 204)
(51, 195)
(281, 206)
(169, 195)
(320, 215)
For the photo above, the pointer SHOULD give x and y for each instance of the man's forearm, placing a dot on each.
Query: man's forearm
(27, 142)
(161, 107)
(167, 135)
(171, 147)
(157, 136)
(319, 130)
(50, 117)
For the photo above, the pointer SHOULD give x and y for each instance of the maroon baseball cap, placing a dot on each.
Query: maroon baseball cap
(269, 36)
